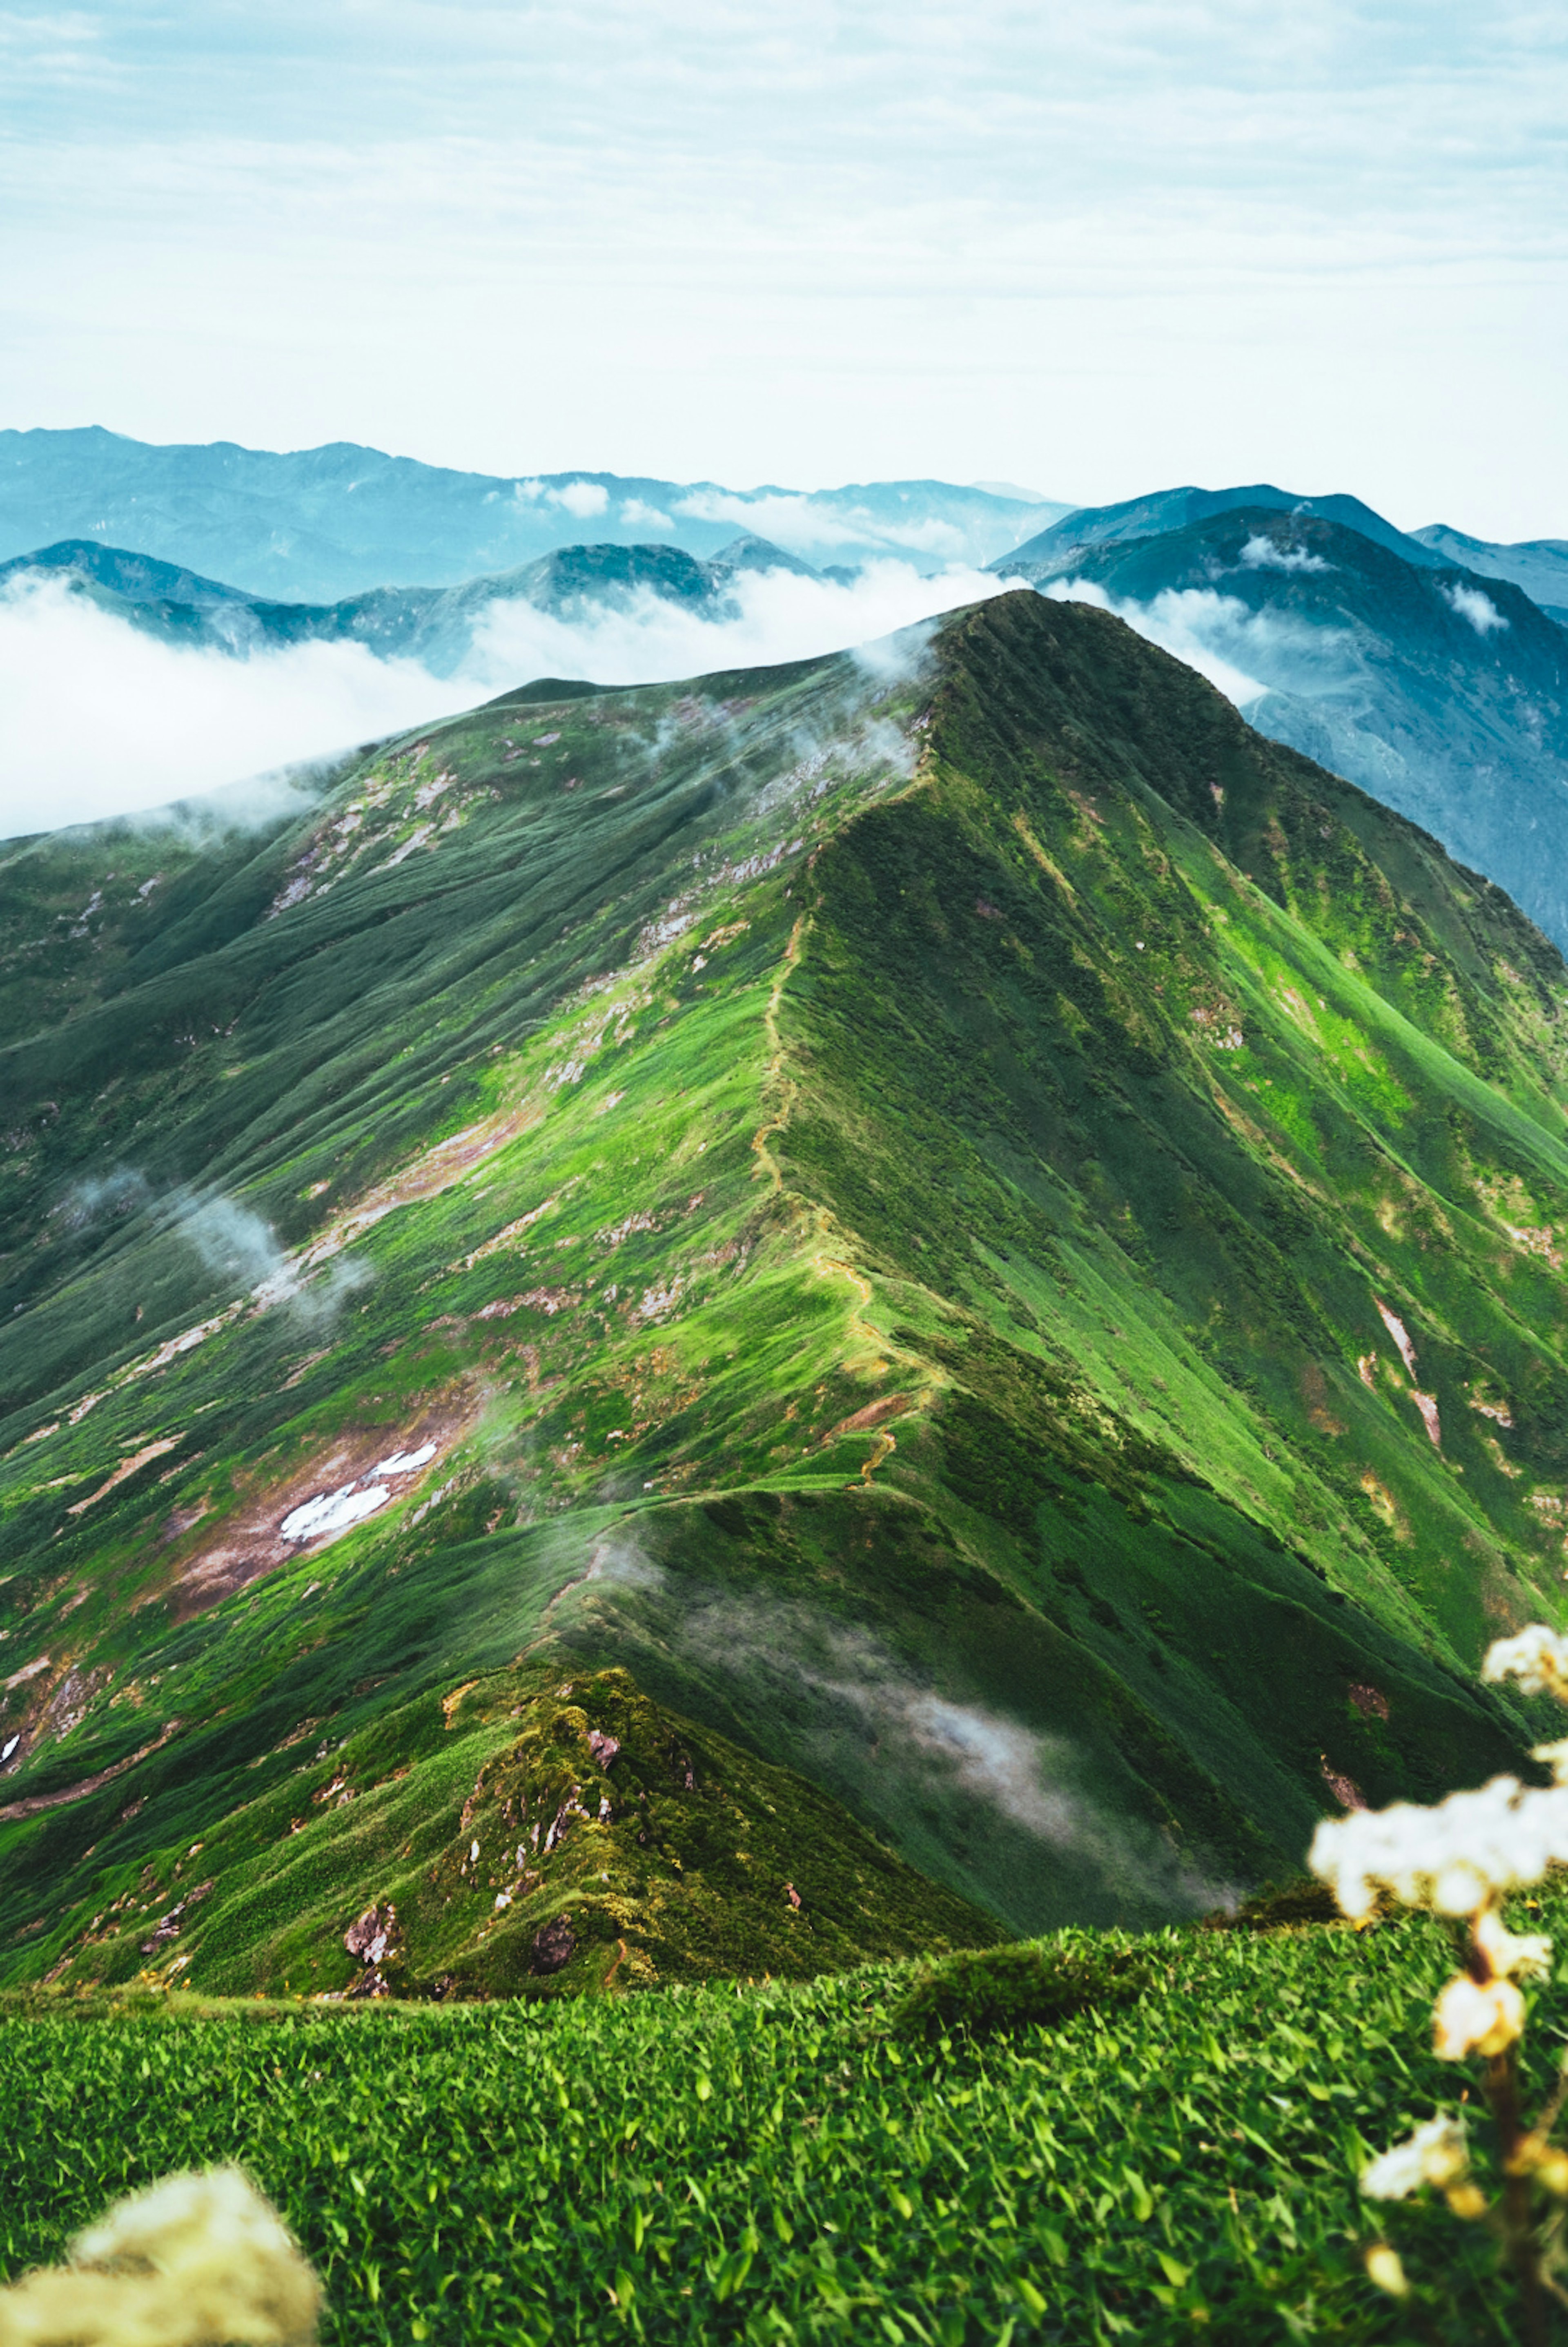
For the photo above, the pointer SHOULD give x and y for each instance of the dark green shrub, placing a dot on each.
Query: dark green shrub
(988, 1990)
(1280, 1906)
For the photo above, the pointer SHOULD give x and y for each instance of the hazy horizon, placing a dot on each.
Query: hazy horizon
(1096, 255)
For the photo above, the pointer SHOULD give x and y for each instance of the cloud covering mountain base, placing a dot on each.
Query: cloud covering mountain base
(99, 718)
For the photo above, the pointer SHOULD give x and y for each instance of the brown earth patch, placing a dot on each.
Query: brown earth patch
(128, 1467)
(433, 1171)
(60, 1693)
(252, 1544)
(875, 1413)
(33, 1802)
(1344, 1789)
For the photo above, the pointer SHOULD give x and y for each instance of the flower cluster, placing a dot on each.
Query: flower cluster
(1457, 1858)
(1436, 2153)
(1460, 1860)
(188, 2260)
(1537, 1657)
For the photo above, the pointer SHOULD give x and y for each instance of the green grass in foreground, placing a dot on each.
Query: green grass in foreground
(775, 2164)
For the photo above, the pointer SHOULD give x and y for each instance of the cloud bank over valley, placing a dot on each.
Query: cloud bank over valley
(99, 717)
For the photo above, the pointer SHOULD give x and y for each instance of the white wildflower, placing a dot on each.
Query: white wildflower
(1537, 1657)
(1456, 1858)
(189, 2261)
(1384, 2267)
(1476, 2017)
(1555, 1757)
(1436, 2153)
(1506, 1952)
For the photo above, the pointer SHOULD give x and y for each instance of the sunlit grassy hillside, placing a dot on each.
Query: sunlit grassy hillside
(957, 1226)
(785, 2163)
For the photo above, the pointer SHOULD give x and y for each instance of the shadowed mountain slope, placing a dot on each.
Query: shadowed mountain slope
(1442, 693)
(954, 1223)
(1174, 509)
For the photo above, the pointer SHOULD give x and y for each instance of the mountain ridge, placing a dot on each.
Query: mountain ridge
(434, 625)
(1441, 690)
(1165, 509)
(980, 1231)
(1539, 566)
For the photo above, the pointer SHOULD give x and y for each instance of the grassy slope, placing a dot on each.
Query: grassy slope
(771, 2164)
(928, 1338)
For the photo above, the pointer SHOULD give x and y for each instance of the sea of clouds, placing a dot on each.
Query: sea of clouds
(99, 718)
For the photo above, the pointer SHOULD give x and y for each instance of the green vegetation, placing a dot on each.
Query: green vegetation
(986, 1991)
(775, 2164)
(967, 1234)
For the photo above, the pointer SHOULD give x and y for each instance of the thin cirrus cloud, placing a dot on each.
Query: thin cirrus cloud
(164, 722)
(843, 240)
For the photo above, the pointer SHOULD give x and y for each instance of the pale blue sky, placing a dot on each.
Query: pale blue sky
(1095, 250)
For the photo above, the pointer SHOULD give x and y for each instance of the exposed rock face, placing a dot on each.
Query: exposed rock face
(374, 1936)
(554, 1945)
(169, 1926)
(603, 1748)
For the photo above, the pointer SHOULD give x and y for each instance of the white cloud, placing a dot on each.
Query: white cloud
(1262, 553)
(789, 521)
(636, 514)
(1243, 653)
(1185, 622)
(820, 522)
(583, 498)
(782, 617)
(98, 719)
(1480, 610)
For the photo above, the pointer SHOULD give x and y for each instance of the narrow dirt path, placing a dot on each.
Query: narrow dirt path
(774, 1079)
(30, 1806)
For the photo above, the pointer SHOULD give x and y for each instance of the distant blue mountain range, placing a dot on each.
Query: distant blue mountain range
(322, 523)
(1426, 666)
(434, 625)
(1169, 509)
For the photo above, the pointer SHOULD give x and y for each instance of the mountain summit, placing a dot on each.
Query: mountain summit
(1441, 690)
(696, 1327)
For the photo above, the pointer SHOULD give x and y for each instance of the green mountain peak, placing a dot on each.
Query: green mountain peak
(950, 1221)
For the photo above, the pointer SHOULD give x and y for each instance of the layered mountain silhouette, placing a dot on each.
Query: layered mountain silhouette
(1539, 565)
(692, 1330)
(320, 523)
(1442, 691)
(437, 626)
(1173, 510)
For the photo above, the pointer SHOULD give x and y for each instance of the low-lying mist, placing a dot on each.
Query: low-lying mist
(832, 1697)
(1223, 638)
(99, 718)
